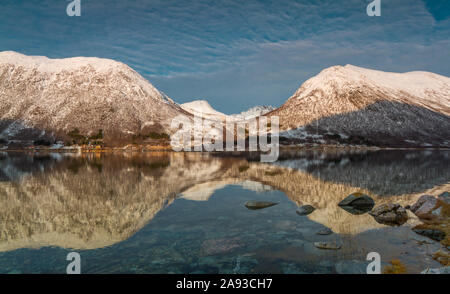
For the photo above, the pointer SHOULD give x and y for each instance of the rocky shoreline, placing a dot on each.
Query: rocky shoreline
(432, 221)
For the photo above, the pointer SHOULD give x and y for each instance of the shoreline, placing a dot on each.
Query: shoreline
(145, 149)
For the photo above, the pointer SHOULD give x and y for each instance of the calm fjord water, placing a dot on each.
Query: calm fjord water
(185, 213)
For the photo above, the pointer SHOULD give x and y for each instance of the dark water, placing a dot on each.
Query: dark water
(185, 213)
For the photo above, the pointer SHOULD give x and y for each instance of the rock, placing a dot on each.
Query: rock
(441, 270)
(433, 234)
(254, 205)
(420, 202)
(445, 197)
(357, 203)
(305, 210)
(424, 206)
(327, 245)
(325, 231)
(390, 214)
(422, 241)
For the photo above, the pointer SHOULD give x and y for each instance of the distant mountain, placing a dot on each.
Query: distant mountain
(354, 105)
(203, 108)
(253, 112)
(73, 98)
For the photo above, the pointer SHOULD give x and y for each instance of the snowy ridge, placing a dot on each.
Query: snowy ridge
(421, 86)
(253, 112)
(54, 66)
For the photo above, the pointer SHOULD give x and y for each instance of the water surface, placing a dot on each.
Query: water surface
(185, 213)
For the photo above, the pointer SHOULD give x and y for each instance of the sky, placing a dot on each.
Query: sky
(234, 53)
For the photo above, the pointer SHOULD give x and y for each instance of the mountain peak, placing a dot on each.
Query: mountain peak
(201, 107)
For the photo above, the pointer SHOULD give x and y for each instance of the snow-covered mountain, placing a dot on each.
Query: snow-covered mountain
(361, 106)
(204, 109)
(253, 112)
(62, 99)
(52, 98)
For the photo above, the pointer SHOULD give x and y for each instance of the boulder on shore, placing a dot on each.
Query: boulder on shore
(424, 207)
(390, 214)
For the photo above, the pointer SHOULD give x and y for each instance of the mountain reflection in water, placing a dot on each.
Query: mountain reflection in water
(93, 201)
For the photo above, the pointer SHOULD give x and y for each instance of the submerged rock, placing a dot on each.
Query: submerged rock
(357, 210)
(424, 207)
(423, 241)
(390, 214)
(254, 205)
(221, 245)
(327, 245)
(433, 234)
(441, 270)
(325, 231)
(305, 210)
(357, 203)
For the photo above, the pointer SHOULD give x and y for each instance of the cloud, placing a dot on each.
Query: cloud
(234, 53)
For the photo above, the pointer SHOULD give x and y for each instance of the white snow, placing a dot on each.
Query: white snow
(419, 84)
(100, 65)
(202, 107)
(45, 64)
(253, 112)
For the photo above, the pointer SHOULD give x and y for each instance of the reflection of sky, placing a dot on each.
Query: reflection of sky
(234, 53)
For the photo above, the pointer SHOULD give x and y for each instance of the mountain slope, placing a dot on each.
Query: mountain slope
(53, 98)
(356, 105)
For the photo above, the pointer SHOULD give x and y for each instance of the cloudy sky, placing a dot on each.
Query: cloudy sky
(234, 53)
